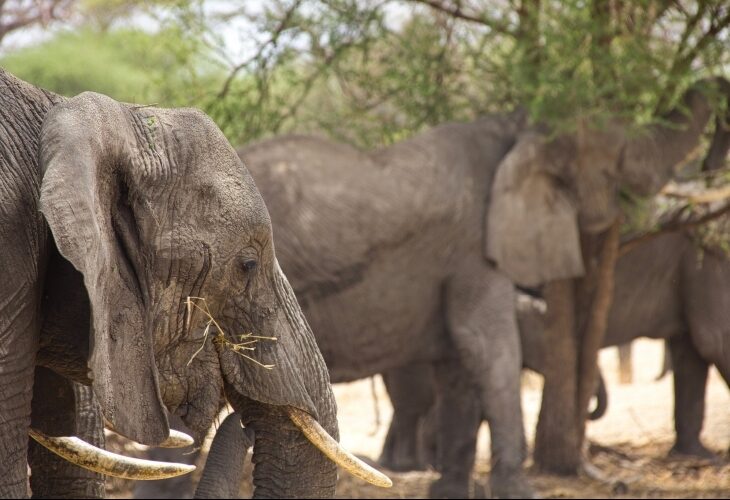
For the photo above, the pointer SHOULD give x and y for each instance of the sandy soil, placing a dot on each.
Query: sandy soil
(629, 444)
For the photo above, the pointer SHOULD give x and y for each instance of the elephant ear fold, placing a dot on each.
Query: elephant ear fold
(531, 222)
(86, 147)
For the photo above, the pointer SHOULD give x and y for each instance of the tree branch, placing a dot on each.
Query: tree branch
(36, 13)
(592, 338)
(683, 58)
(457, 13)
(672, 226)
(272, 41)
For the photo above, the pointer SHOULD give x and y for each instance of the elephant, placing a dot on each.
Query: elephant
(223, 470)
(414, 437)
(408, 253)
(138, 261)
(668, 288)
(387, 245)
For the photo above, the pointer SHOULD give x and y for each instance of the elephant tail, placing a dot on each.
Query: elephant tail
(601, 400)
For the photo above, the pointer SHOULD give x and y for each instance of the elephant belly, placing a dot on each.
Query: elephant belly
(382, 322)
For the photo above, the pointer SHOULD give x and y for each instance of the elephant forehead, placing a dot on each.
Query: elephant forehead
(221, 242)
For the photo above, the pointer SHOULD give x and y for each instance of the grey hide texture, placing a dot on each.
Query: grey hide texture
(130, 211)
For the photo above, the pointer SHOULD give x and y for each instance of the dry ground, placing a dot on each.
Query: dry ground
(628, 455)
(632, 439)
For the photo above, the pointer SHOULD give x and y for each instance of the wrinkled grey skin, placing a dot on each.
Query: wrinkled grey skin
(667, 288)
(111, 215)
(385, 253)
(223, 470)
(420, 420)
(72, 410)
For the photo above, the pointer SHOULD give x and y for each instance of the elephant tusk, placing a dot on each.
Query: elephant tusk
(176, 439)
(332, 449)
(95, 459)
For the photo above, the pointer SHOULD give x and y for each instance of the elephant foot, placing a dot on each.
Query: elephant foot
(693, 450)
(510, 484)
(450, 487)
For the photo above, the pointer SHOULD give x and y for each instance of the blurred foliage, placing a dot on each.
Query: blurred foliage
(16, 15)
(388, 68)
(124, 64)
(372, 72)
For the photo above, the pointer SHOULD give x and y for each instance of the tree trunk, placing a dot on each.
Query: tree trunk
(556, 438)
(592, 337)
(577, 312)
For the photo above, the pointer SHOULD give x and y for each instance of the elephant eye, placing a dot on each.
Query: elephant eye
(249, 265)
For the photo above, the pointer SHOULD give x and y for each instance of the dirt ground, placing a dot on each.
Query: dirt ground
(629, 445)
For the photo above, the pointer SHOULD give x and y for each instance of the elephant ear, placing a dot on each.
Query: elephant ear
(87, 144)
(532, 221)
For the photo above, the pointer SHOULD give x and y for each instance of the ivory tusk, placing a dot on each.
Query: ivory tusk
(176, 439)
(332, 449)
(90, 457)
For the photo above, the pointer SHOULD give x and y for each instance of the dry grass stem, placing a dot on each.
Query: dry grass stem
(246, 340)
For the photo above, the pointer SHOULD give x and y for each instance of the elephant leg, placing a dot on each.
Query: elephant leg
(457, 420)
(19, 327)
(690, 379)
(481, 318)
(411, 393)
(62, 407)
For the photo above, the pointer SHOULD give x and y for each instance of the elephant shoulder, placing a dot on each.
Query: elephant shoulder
(329, 206)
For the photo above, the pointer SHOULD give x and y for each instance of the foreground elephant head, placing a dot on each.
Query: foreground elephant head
(547, 191)
(172, 259)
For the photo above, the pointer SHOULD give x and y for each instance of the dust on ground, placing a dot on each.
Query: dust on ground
(628, 452)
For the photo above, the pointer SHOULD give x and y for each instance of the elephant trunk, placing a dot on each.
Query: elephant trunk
(649, 160)
(286, 464)
(223, 471)
(290, 407)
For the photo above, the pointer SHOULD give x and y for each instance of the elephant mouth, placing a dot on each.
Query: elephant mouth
(96, 459)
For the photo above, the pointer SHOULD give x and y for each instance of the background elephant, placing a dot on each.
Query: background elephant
(112, 217)
(384, 251)
(391, 252)
(668, 288)
(415, 440)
